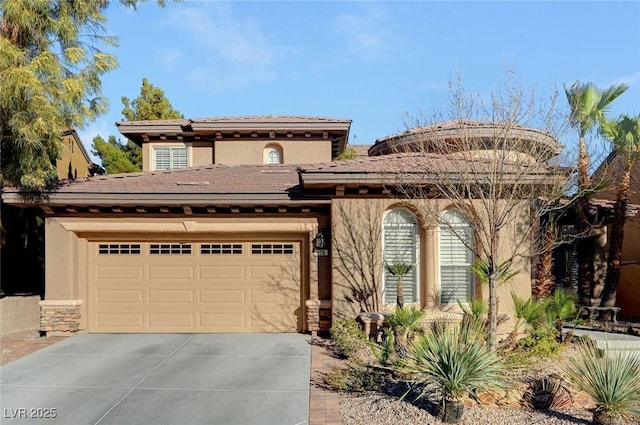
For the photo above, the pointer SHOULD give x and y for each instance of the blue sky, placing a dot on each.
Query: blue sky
(373, 62)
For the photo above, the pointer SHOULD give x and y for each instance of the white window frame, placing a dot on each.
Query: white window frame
(268, 155)
(454, 226)
(174, 152)
(409, 255)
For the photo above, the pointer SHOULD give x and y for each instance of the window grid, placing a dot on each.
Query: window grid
(220, 248)
(272, 248)
(166, 158)
(169, 248)
(118, 248)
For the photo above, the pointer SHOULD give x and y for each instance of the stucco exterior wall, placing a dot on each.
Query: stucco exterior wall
(349, 218)
(71, 158)
(252, 151)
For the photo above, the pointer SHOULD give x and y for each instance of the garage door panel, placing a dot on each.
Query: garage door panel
(112, 322)
(223, 322)
(129, 296)
(119, 271)
(169, 321)
(171, 272)
(223, 296)
(222, 272)
(199, 289)
(171, 296)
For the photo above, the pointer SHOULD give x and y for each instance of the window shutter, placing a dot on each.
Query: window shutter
(456, 259)
(179, 157)
(162, 158)
(400, 243)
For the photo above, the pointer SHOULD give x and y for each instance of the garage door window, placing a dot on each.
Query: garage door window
(221, 248)
(118, 248)
(272, 248)
(170, 248)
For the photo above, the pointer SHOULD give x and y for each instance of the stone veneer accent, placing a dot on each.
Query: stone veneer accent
(60, 316)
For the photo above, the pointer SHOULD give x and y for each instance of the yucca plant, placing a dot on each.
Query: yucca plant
(457, 359)
(612, 380)
(399, 270)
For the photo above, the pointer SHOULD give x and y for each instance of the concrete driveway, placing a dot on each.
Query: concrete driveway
(130, 379)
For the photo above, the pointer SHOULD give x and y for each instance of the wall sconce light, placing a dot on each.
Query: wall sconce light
(320, 245)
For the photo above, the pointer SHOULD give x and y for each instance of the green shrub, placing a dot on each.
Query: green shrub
(385, 351)
(348, 337)
(354, 379)
(612, 380)
(457, 359)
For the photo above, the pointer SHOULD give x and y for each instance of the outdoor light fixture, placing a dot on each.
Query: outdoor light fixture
(320, 245)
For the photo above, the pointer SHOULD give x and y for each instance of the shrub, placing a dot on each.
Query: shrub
(348, 337)
(354, 379)
(457, 359)
(612, 380)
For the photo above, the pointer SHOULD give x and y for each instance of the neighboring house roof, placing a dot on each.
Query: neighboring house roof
(75, 135)
(609, 173)
(450, 136)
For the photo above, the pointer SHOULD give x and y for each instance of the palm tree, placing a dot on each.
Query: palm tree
(588, 107)
(399, 270)
(625, 136)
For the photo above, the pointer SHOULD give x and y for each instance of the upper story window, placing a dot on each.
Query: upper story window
(273, 154)
(166, 158)
(456, 258)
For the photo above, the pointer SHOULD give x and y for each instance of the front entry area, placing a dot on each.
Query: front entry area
(195, 286)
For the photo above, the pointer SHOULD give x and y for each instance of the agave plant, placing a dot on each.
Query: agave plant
(612, 380)
(457, 359)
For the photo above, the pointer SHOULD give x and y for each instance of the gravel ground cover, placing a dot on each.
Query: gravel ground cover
(381, 409)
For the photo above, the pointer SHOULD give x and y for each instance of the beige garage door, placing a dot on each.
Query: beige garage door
(194, 287)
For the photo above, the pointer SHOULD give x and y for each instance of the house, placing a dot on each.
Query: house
(236, 224)
(629, 286)
(74, 160)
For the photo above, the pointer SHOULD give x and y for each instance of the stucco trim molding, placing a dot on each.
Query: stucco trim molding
(187, 226)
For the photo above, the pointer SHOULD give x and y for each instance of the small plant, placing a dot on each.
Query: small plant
(354, 379)
(406, 324)
(385, 351)
(399, 270)
(457, 359)
(612, 380)
(348, 337)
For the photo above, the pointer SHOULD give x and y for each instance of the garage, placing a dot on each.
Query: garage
(194, 286)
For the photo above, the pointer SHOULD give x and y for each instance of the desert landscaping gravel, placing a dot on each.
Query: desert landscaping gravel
(381, 409)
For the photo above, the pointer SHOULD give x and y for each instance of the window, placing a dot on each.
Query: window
(166, 158)
(273, 155)
(220, 248)
(118, 248)
(400, 245)
(456, 258)
(272, 248)
(170, 248)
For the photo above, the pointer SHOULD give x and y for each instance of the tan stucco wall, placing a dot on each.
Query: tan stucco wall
(360, 210)
(252, 151)
(68, 238)
(71, 154)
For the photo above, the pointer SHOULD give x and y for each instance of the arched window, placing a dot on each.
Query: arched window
(400, 245)
(456, 258)
(273, 155)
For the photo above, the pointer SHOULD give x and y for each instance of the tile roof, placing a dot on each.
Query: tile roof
(206, 179)
(253, 119)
